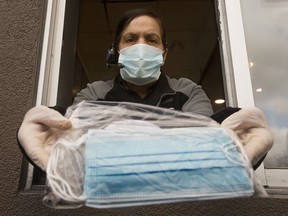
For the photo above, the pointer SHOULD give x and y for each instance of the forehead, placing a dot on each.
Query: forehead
(143, 23)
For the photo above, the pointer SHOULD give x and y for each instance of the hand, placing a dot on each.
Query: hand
(252, 128)
(38, 132)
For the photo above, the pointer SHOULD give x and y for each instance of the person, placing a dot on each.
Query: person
(139, 50)
(140, 35)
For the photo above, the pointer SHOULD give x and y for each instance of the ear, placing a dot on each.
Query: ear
(165, 55)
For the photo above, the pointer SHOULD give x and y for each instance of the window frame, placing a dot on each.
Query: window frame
(234, 62)
(50, 65)
(235, 51)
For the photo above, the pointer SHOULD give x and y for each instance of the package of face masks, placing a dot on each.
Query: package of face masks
(120, 154)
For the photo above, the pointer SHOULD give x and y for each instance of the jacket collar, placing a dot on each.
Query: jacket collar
(120, 92)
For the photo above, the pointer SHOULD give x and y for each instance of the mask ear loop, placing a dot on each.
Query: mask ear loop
(236, 144)
(242, 160)
(164, 55)
(227, 149)
(59, 186)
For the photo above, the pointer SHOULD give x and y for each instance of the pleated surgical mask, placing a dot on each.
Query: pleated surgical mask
(145, 167)
(124, 154)
(141, 63)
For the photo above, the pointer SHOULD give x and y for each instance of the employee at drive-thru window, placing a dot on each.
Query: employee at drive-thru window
(139, 50)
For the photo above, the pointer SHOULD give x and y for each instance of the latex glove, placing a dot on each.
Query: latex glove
(251, 127)
(39, 131)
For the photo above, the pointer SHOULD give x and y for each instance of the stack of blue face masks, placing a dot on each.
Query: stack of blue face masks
(124, 168)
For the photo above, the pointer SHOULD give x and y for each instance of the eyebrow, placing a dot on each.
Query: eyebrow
(129, 34)
(136, 34)
(153, 35)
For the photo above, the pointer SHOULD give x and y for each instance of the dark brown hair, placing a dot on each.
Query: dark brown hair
(129, 16)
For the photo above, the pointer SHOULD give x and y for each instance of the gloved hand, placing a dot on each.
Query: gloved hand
(252, 128)
(39, 131)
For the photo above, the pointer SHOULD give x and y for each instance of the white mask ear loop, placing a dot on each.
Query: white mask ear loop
(60, 186)
(164, 54)
(226, 148)
(242, 160)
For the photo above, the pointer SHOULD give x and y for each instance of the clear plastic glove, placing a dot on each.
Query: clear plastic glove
(251, 127)
(37, 133)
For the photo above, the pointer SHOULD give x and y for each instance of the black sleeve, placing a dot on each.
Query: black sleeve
(224, 113)
(61, 110)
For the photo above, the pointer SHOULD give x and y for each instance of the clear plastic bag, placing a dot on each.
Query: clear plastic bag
(124, 154)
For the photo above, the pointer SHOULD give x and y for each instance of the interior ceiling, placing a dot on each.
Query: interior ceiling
(190, 26)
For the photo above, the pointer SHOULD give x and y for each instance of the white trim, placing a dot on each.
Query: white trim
(225, 50)
(44, 53)
(242, 79)
(51, 53)
(277, 177)
(239, 58)
(54, 69)
(50, 62)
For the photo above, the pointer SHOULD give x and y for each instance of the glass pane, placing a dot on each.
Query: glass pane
(266, 33)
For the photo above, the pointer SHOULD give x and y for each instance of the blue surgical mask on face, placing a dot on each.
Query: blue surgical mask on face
(141, 64)
(167, 165)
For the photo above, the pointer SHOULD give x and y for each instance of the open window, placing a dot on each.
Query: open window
(78, 34)
(192, 34)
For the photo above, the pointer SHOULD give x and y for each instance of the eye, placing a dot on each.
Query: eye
(130, 40)
(153, 41)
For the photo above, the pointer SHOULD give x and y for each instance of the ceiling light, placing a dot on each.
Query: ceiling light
(259, 90)
(219, 101)
(251, 64)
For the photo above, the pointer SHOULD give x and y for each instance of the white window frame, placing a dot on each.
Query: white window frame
(50, 62)
(235, 64)
(237, 76)
(236, 67)
(51, 53)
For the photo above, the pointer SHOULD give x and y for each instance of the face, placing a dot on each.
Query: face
(144, 30)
